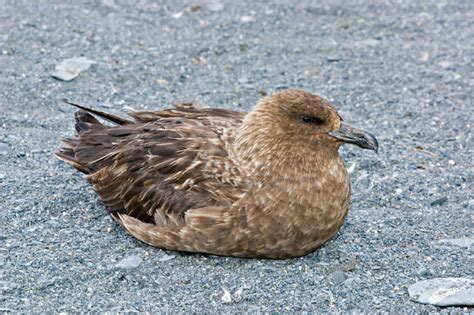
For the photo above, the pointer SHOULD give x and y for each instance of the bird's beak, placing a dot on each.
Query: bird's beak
(360, 138)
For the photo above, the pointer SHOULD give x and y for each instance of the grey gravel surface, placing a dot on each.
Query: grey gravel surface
(403, 70)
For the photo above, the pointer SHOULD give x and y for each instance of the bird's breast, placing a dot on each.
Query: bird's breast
(305, 211)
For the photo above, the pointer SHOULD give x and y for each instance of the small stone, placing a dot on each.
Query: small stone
(446, 64)
(177, 15)
(239, 294)
(4, 148)
(470, 203)
(162, 81)
(425, 57)
(243, 80)
(333, 58)
(200, 60)
(369, 42)
(280, 86)
(69, 69)
(166, 258)
(129, 262)
(247, 18)
(195, 7)
(424, 272)
(338, 277)
(348, 282)
(110, 4)
(215, 6)
(443, 292)
(226, 297)
(439, 202)
(461, 242)
(351, 168)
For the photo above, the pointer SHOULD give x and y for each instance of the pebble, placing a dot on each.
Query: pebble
(215, 6)
(369, 42)
(4, 148)
(351, 168)
(446, 64)
(247, 18)
(166, 258)
(338, 277)
(470, 204)
(226, 297)
(69, 69)
(349, 281)
(333, 58)
(110, 4)
(461, 242)
(443, 292)
(439, 202)
(177, 15)
(129, 262)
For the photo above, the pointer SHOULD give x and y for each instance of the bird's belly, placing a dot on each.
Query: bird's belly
(299, 225)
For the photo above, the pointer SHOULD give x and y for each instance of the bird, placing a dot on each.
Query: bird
(266, 184)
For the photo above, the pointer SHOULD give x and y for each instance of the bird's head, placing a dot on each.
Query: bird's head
(300, 121)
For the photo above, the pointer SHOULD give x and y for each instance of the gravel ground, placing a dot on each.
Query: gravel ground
(402, 70)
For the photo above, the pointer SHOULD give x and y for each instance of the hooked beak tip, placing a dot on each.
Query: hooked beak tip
(358, 137)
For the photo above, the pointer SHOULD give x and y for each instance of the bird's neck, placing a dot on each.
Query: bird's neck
(270, 160)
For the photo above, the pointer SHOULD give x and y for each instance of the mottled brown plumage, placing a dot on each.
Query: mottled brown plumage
(267, 184)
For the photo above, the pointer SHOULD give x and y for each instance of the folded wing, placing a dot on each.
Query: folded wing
(162, 165)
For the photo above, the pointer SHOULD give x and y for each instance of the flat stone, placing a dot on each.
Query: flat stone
(129, 262)
(461, 242)
(247, 18)
(439, 202)
(333, 58)
(215, 6)
(338, 277)
(166, 258)
(446, 64)
(69, 69)
(226, 297)
(369, 42)
(4, 148)
(443, 292)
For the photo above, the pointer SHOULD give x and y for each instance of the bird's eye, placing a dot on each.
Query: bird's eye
(311, 120)
(306, 119)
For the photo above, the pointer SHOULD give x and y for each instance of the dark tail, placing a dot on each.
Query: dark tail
(92, 141)
(67, 154)
(115, 119)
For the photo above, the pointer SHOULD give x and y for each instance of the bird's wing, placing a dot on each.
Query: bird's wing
(155, 170)
(223, 120)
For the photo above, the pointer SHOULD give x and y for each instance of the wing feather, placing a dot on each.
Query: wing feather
(163, 165)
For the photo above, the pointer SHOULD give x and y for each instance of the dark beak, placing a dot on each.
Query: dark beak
(359, 137)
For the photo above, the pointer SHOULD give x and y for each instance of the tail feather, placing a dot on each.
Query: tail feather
(93, 143)
(85, 121)
(67, 154)
(115, 119)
